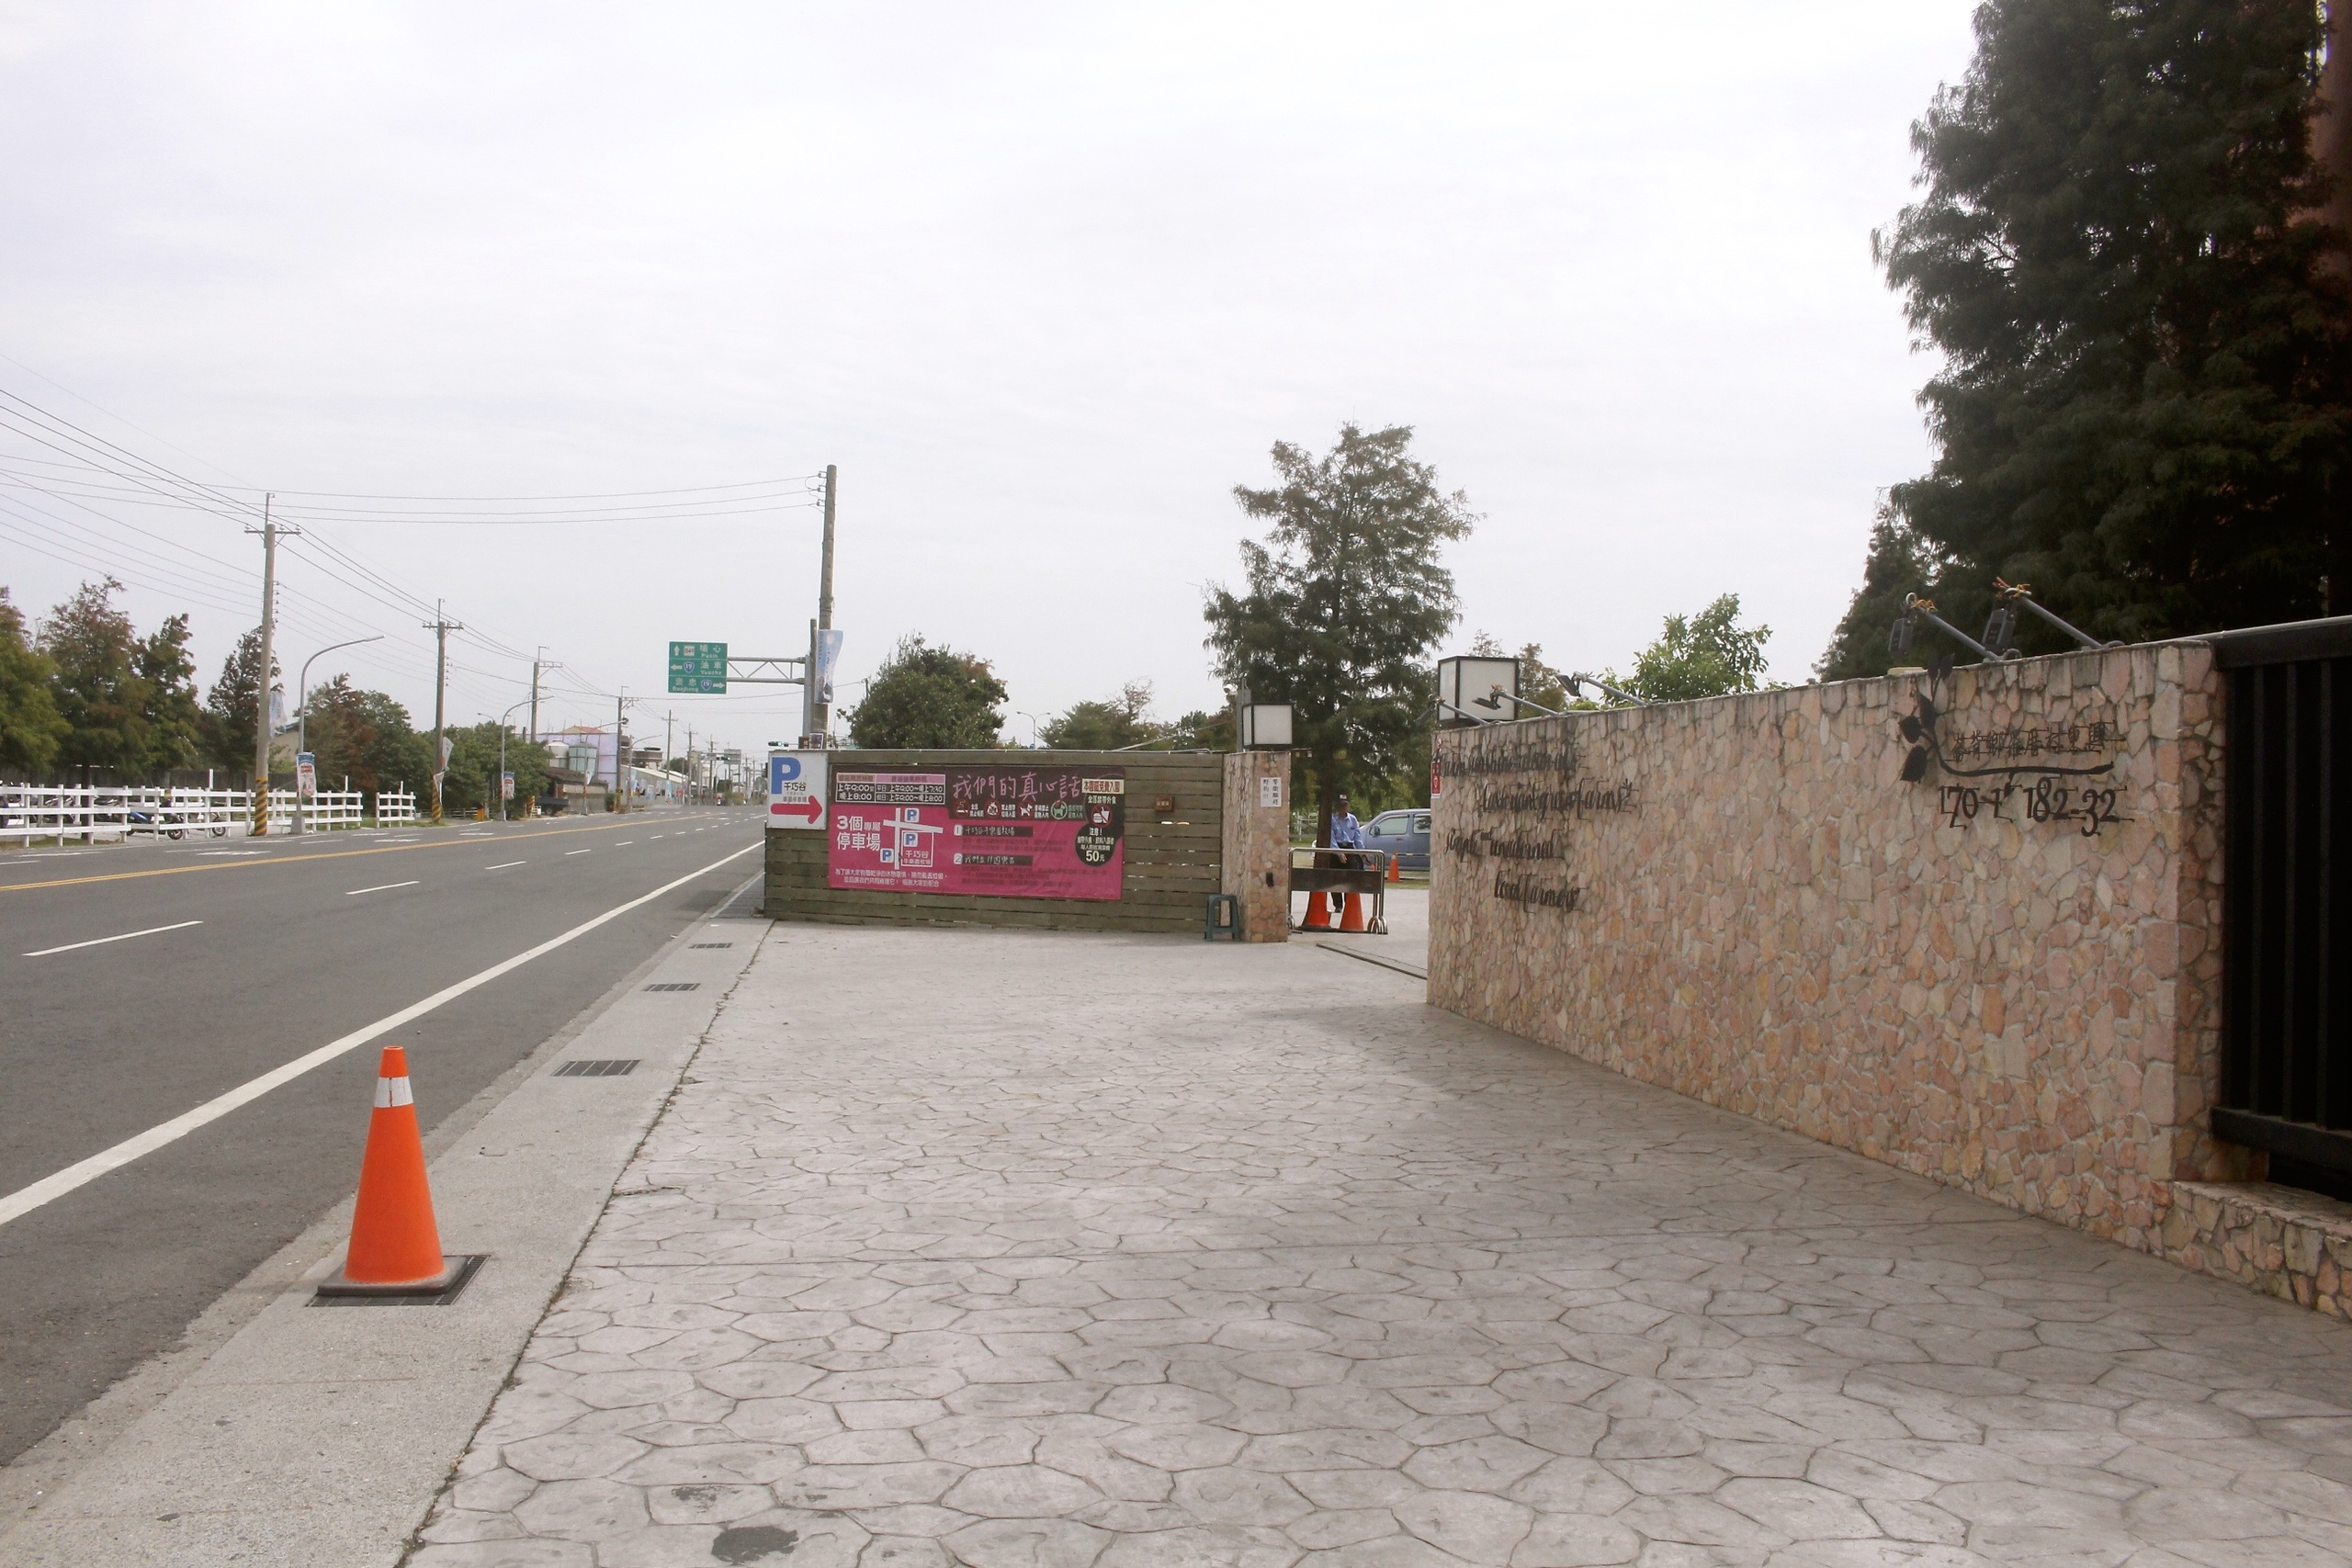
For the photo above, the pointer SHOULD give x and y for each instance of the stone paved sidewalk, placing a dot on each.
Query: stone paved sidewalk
(1032, 1251)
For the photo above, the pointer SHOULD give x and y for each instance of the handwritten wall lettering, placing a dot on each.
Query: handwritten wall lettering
(1537, 895)
(1485, 843)
(1524, 755)
(1568, 802)
(2070, 739)
(2045, 800)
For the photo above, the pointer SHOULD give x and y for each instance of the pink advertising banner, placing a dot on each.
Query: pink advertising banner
(1002, 832)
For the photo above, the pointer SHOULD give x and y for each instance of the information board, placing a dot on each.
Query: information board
(698, 667)
(796, 789)
(995, 832)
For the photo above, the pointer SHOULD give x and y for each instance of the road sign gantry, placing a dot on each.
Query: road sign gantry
(704, 668)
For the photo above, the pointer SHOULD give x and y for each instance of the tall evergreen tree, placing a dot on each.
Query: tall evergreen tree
(1346, 600)
(228, 718)
(2146, 327)
(31, 726)
(100, 691)
(164, 664)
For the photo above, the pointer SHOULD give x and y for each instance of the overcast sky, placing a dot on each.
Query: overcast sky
(1044, 281)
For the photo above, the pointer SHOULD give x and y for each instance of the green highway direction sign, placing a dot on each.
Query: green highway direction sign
(698, 667)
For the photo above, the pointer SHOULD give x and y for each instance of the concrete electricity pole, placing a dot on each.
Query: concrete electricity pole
(536, 660)
(269, 532)
(440, 626)
(620, 753)
(820, 710)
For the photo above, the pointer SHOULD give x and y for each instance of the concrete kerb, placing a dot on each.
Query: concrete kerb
(244, 1442)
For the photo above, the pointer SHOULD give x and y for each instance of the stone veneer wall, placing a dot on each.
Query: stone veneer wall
(1744, 900)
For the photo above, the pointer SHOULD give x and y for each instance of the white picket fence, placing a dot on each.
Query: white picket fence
(105, 814)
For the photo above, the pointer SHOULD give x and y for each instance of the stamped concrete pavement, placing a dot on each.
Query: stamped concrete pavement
(1005, 1248)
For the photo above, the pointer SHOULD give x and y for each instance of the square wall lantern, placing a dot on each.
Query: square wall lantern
(1265, 727)
(1466, 688)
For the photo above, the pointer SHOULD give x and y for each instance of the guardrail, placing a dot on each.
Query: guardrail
(115, 813)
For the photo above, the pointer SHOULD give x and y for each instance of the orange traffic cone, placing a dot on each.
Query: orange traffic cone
(1393, 874)
(1318, 918)
(395, 1246)
(1353, 920)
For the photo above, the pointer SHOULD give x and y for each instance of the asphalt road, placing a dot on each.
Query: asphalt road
(296, 942)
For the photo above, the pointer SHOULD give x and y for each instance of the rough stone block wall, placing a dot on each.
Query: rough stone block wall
(2002, 971)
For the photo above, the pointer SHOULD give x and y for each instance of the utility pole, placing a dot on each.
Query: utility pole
(820, 710)
(440, 626)
(690, 764)
(269, 532)
(538, 657)
(620, 753)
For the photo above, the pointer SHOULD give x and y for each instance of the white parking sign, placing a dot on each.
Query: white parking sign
(796, 789)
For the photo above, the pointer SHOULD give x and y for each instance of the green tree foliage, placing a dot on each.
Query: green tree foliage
(128, 702)
(1202, 731)
(925, 696)
(1345, 600)
(30, 727)
(2146, 329)
(175, 722)
(227, 722)
(1106, 726)
(364, 737)
(1706, 655)
(473, 768)
(1900, 564)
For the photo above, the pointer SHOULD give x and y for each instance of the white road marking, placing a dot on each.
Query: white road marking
(102, 941)
(380, 887)
(624, 843)
(504, 865)
(569, 853)
(49, 1188)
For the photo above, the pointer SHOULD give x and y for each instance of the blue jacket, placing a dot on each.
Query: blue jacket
(1347, 833)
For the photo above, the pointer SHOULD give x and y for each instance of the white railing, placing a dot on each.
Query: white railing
(44, 811)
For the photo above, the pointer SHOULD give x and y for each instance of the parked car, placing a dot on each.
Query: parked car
(1405, 834)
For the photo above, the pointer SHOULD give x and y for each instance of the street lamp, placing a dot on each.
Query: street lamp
(502, 757)
(302, 726)
(1032, 726)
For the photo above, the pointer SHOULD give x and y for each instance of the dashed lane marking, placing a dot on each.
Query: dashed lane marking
(102, 941)
(381, 888)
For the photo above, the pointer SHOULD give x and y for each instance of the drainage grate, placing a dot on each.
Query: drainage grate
(706, 946)
(675, 986)
(584, 1067)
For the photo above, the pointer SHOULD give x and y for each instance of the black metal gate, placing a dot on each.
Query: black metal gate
(2286, 880)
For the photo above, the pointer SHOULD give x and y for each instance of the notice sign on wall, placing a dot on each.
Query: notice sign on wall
(796, 789)
(999, 832)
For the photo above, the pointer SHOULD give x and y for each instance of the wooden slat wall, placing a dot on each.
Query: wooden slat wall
(1171, 867)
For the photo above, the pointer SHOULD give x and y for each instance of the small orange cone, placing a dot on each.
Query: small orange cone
(1354, 920)
(1393, 874)
(395, 1246)
(1318, 918)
